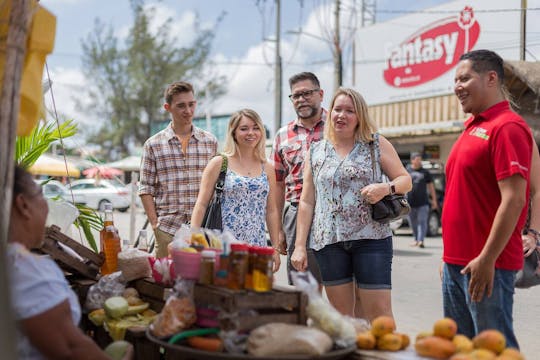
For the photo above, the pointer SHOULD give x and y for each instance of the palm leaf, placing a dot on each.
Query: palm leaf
(87, 220)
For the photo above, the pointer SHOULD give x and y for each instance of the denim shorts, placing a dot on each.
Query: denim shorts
(367, 261)
(494, 312)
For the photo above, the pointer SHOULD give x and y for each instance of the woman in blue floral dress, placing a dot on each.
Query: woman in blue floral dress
(249, 192)
(353, 251)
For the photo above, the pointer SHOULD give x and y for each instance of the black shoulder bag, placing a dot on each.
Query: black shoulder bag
(212, 218)
(390, 207)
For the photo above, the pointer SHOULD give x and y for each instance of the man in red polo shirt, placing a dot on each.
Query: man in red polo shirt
(488, 174)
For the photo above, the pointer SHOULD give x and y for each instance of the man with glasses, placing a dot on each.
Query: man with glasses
(288, 152)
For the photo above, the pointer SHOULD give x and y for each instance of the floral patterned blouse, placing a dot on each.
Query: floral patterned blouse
(341, 213)
(243, 209)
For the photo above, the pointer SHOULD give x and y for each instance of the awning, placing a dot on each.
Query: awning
(130, 163)
(47, 165)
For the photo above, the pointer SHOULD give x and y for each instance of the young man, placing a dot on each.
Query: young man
(172, 164)
(419, 200)
(488, 174)
(288, 152)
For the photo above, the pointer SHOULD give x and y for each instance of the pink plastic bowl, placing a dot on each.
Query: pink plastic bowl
(186, 264)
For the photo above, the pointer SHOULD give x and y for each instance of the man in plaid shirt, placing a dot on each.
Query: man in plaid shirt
(172, 164)
(290, 147)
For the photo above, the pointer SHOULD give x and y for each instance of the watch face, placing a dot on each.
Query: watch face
(393, 189)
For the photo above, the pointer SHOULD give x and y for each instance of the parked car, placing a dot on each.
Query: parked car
(55, 189)
(436, 170)
(96, 193)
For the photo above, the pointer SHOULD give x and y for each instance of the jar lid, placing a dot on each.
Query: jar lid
(253, 249)
(265, 250)
(208, 254)
(239, 247)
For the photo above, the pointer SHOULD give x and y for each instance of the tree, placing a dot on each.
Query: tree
(128, 82)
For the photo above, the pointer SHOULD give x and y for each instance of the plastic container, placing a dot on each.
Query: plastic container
(186, 264)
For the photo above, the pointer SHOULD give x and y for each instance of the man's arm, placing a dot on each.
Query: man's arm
(281, 246)
(531, 239)
(150, 209)
(433, 194)
(482, 268)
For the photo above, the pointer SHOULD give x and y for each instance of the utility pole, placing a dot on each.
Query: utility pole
(338, 61)
(278, 71)
(523, 32)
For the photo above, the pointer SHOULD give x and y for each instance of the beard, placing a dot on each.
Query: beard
(307, 111)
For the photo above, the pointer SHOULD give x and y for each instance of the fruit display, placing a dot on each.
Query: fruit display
(445, 343)
(120, 313)
(382, 336)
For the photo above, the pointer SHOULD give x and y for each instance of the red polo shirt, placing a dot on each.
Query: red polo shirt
(495, 144)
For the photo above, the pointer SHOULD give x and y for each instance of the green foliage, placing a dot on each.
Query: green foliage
(129, 77)
(29, 148)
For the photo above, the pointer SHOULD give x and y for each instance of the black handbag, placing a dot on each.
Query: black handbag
(530, 274)
(390, 207)
(212, 218)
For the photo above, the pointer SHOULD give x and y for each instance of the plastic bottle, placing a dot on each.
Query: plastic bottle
(238, 266)
(143, 241)
(110, 243)
(208, 261)
(262, 269)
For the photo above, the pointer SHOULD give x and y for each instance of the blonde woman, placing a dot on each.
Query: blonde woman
(250, 185)
(353, 251)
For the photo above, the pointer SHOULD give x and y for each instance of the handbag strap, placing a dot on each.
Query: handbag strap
(372, 152)
(221, 179)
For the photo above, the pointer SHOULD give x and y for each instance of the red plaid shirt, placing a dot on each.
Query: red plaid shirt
(291, 145)
(172, 177)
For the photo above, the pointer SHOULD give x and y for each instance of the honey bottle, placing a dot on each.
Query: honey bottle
(110, 242)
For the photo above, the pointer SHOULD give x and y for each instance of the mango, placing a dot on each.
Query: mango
(445, 328)
(389, 342)
(482, 354)
(365, 340)
(512, 353)
(463, 343)
(492, 340)
(405, 340)
(435, 347)
(382, 325)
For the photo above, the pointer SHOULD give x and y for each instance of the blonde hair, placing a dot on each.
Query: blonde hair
(231, 147)
(366, 127)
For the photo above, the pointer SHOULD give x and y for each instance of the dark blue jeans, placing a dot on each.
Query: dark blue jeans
(494, 312)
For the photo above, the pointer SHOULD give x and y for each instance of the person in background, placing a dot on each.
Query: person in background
(419, 200)
(172, 164)
(249, 192)
(290, 147)
(531, 233)
(47, 311)
(487, 182)
(353, 251)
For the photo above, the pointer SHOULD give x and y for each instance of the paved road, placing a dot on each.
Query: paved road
(417, 300)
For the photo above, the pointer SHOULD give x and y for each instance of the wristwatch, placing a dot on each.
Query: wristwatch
(392, 189)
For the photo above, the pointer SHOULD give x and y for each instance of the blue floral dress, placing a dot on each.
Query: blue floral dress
(243, 210)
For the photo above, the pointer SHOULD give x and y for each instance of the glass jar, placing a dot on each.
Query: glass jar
(206, 272)
(262, 271)
(252, 256)
(222, 271)
(238, 266)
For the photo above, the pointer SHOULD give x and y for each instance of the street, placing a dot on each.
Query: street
(417, 300)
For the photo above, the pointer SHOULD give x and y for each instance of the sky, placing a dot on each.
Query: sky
(243, 49)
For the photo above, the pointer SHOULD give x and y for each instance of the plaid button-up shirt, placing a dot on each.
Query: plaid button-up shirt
(173, 177)
(291, 145)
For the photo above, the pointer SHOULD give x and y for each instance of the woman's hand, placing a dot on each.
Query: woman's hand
(277, 261)
(529, 244)
(375, 192)
(299, 258)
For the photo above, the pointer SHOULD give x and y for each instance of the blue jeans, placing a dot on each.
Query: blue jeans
(418, 218)
(471, 317)
(368, 262)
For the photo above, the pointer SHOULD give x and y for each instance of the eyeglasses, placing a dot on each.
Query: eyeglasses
(305, 94)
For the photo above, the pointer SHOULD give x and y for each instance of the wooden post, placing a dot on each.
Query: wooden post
(15, 49)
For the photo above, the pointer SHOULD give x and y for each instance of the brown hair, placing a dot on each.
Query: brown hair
(177, 88)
